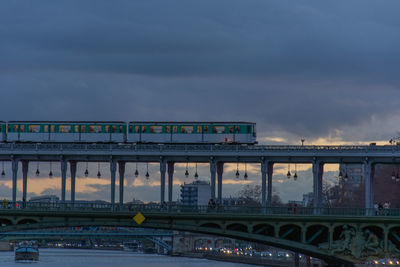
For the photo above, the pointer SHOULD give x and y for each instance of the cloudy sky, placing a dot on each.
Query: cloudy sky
(326, 71)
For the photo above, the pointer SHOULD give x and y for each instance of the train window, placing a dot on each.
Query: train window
(156, 129)
(52, 128)
(205, 128)
(144, 128)
(248, 129)
(64, 128)
(76, 128)
(137, 128)
(94, 128)
(46, 128)
(107, 128)
(34, 128)
(22, 128)
(218, 129)
(198, 129)
(167, 129)
(175, 128)
(121, 129)
(10, 128)
(237, 129)
(83, 129)
(114, 128)
(230, 129)
(130, 128)
(187, 129)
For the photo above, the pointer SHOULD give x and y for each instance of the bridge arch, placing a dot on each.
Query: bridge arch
(264, 229)
(5, 222)
(27, 221)
(239, 227)
(317, 234)
(211, 225)
(290, 232)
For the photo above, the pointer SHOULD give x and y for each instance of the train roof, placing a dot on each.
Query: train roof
(195, 122)
(71, 122)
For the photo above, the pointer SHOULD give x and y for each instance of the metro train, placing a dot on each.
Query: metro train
(132, 132)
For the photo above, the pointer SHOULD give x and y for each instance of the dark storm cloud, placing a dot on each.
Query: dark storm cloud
(300, 67)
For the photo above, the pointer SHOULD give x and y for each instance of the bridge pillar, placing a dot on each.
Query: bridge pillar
(163, 168)
(64, 166)
(113, 171)
(318, 170)
(170, 166)
(25, 165)
(270, 170)
(121, 170)
(385, 239)
(14, 167)
(72, 165)
(369, 195)
(213, 169)
(220, 171)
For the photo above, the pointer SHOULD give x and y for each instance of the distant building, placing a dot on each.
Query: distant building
(45, 198)
(353, 174)
(197, 193)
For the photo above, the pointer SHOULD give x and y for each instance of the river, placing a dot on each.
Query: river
(99, 258)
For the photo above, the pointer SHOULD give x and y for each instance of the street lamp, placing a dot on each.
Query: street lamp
(147, 171)
(98, 170)
(245, 172)
(87, 171)
(186, 171)
(51, 172)
(237, 170)
(136, 171)
(3, 173)
(37, 169)
(196, 175)
(295, 172)
(288, 172)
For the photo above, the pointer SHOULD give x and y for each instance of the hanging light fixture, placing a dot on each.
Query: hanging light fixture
(245, 172)
(98, 171)
(187, 171)
(288, 172)
(87, 170)
(237, 170)
(3, 173)
(196, 175)
(295, 172)
(136, 171)
(147, 171)
(51, 171)
(37, 169)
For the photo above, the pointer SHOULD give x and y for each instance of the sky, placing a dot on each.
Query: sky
(325, 71)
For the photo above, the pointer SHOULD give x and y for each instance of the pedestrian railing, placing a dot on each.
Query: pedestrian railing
(182, 209)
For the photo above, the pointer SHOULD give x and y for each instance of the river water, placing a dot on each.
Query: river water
(99, 258)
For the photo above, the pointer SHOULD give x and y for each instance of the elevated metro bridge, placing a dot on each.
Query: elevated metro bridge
(216, 155)
(339, 236)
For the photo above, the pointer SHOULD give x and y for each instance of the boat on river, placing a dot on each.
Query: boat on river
(27, 251)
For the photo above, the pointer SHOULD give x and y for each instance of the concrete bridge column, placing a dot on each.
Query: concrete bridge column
(264, 183)
(121, 170)
(163, 168)
(25, 165)
(64, 166)
(170, 166)
(369, 196)
(318, 170)
(213, 169)
(270, 169)
(220, 171)
(14, 167)
(72, 165)
(113, 171)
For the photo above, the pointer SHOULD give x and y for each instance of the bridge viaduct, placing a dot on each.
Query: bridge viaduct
(215, 155)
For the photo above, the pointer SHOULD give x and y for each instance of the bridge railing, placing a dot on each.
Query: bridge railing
(83, 206)
(192, 147)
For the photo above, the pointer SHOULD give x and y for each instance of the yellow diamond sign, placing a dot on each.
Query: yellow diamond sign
(139, 218)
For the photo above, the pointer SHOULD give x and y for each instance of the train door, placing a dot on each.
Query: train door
(77, 133)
